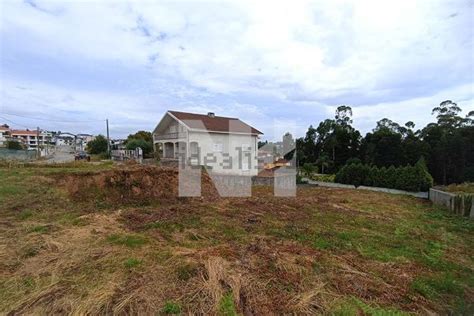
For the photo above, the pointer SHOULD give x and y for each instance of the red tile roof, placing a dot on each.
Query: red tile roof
(214, 124)
(23, 132)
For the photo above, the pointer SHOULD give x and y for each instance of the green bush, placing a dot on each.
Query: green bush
(409, 178)
(147, 147)
(13, 144)
(354, 173)
(97, 146)
(425, 178)
(341, 175)
(323, 177)
(372, 176)
(391, 177)
(308, 169)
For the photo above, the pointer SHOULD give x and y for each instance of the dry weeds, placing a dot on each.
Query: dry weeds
(327, 251)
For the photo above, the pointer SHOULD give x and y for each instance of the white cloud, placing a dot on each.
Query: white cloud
(379, 56)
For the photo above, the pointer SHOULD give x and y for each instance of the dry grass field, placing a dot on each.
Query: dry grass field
(101, 239)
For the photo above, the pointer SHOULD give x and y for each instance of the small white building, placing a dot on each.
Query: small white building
(4, 133)
(64, 139)
(223, 144)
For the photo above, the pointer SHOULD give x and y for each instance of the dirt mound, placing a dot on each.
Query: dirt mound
(133, 184)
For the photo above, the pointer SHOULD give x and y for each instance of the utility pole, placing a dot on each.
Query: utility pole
(108, 137)
(38, 155)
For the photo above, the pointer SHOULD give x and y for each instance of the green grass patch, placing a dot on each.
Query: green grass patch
(131, 241)
(40, 229)
(171, 308)
(132, 263)
(10, 189)
(354, 306)
(227, 305)
(433, 287)
(321, 243)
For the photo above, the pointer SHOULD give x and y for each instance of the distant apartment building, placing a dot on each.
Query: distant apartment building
(31, 139)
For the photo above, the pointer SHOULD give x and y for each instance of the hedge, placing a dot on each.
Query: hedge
(409, 178)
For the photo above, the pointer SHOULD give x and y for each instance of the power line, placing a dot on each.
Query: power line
(52, 120)
(10, 121)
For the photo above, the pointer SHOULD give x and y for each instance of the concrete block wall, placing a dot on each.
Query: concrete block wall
(461, 204)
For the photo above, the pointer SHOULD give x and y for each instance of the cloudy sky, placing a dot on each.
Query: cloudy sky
(278, 65)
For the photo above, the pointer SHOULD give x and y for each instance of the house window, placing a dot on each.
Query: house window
(217, 147)
(246, 147)
(245, 166)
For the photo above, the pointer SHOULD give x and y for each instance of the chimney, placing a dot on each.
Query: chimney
(211, 114)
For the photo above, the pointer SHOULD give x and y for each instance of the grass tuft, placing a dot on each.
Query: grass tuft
(171, 308)
(132, 263)
(227, 306)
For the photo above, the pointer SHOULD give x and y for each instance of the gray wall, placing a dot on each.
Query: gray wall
(24, 155)
(423, 195)
(461, 204)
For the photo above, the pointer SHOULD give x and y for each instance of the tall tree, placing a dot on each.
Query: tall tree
(447, 114)
(343, 115)
(324, 162)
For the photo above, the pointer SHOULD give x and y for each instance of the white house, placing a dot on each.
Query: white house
(224, 144)
(64, 139)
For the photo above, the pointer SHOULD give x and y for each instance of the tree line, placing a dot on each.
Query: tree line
(142, 139)
(446, 145)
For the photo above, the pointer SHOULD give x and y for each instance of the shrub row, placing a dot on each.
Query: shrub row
(323, 177)
(409, 178)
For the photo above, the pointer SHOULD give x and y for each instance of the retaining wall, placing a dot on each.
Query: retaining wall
(461, 204)
(423, 195)
(23, 155)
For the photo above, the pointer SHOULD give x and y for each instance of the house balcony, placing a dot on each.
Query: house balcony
(169, 136)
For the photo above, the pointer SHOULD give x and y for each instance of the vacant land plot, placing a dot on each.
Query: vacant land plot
(95, 239)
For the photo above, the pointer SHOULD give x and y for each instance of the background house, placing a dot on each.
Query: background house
(82, 140)
(224, 144)
(64, 139)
